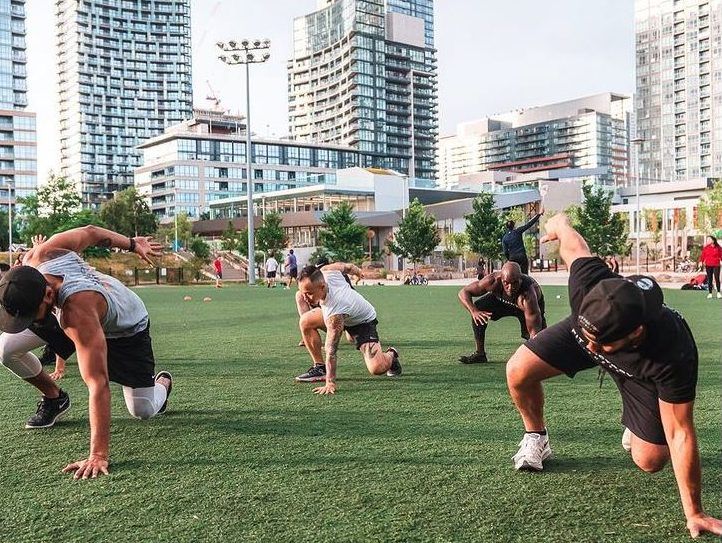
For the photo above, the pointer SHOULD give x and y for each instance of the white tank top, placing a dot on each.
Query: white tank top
(126, 314)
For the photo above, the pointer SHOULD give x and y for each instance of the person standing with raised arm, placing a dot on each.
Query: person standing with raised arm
(621, 325)
(512, 242)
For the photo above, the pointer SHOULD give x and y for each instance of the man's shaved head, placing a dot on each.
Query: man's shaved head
(511, 271)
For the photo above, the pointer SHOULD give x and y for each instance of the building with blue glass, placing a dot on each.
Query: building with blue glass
(125, 75)
(204, 159)
(18, 147)
(363, 74)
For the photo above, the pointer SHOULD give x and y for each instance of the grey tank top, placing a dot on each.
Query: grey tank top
(126, 314)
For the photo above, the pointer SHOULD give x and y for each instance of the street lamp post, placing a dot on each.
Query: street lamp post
(10, 223)
(637, 143)
(247, 52)
(175, 218)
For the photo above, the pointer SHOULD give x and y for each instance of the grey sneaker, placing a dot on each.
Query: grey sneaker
(474, 358)
(49, 411)
(315, 373)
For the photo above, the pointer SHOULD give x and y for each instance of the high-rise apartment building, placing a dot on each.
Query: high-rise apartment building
(363, 74)
(125, 75)
(18, 147)
(679, 89)
(589, 133)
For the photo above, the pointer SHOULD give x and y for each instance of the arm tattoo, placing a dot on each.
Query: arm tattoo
(334, 327)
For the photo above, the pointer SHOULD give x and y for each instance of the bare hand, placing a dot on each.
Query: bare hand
(328, 388)
(480, 317)
(58, 374)
(702, 523)
(38, 240)
(552, 226)
(146, 248)
(88, 469)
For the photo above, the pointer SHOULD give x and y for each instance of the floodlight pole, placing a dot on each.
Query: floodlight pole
(10, 224)
(248, 50)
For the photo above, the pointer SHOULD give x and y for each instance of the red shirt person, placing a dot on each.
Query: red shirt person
(711, 257)
(218, 266)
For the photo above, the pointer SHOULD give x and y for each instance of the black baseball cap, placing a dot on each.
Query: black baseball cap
(615, 307)
(22, 290)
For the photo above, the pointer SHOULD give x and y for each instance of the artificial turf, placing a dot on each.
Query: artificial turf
(245, 454)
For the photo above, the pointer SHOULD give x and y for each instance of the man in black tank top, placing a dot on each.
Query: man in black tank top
(506, 293)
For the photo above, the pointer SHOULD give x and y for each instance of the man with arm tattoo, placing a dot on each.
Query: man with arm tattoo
(341, 308)
(107, 323)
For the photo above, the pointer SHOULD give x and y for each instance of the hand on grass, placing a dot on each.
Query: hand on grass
(58, 374)
(328, 388)
(88, 469)
(702, 523)
(480, 317)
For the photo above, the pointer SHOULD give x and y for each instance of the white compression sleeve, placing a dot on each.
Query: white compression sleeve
(143, 403)
(16, 356)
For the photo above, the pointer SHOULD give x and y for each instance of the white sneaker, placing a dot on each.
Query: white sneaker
(709, 296)
(627, 440)
(719, 295)
(533, 450)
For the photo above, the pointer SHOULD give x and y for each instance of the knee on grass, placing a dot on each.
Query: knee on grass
(141, 408)
(650, 462)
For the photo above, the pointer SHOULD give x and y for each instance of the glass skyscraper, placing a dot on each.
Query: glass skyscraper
(125, 75)
(18, 147)
(363, 74)
(678, 103)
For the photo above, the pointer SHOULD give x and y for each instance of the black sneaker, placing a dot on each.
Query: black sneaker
(315, 373)
(474, 358)
(49, 411)
(395, 369)
(168, 376)
(48, 356)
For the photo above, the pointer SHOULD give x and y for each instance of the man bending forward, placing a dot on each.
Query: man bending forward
(341, 308)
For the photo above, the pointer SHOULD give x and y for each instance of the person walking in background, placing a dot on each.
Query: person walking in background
(218, 267)
(480, 269)
(291, 265)
(711, 257)
(513, 242)
(271, 268)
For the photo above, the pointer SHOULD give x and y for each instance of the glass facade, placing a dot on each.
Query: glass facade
(18, 147)
(351, 84)
(125, 75)
(188, 171)
(678, 103)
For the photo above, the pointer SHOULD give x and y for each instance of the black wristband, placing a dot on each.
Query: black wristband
(132, 245)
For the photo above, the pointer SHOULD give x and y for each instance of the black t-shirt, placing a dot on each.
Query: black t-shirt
(667, 357)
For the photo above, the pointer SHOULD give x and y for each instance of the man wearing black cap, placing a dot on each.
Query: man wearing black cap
(106, 321)
(647, 348)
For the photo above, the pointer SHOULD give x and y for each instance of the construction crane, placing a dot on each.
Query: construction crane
(213, 97)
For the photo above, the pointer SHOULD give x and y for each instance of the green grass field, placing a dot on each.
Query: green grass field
(245, 454)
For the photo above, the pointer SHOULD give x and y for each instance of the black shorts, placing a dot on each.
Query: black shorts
(558, 347)
(364, 333)
(271, 275)
(130, 360)
(219, 275)
(500, 309)
(293, 272)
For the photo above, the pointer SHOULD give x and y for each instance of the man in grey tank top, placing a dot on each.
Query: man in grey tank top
(107, 322)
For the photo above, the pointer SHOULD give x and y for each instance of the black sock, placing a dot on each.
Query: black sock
(541, 433)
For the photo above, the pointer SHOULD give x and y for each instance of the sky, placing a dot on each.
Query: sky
(493, 56)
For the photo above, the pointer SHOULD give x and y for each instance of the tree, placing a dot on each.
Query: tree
(604, 231)
(709, 211)
(4, 230)
(417, 235)
(129, 214)
(50, 209)
(485, 227)
(229, 238)
(166, 232)
(455, 244)
(342, 235)
(200, 249)
(270, 236)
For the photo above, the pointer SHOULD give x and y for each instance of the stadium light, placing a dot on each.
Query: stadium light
(248, 52)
